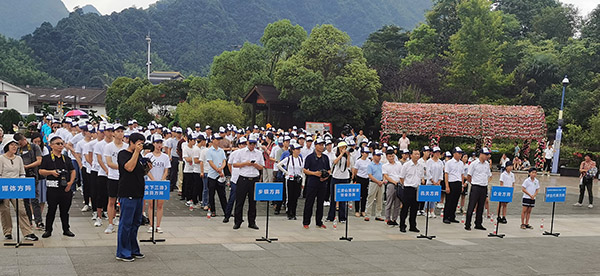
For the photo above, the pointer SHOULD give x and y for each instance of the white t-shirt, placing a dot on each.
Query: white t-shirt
(341, 170)
(403, 143)
(197, 152)
(187, 152)
(393, 171)
(362, 167)
(506, 179)
(434, 171)
(293, 165)
(99, 149)
(548, 153)
(75, 140)
(159, 164)
(89, 147)
(203, 151)
(455, 170)
(530, 186)
(113, 151)
(79, 148)
(480, 172)
(235, 172)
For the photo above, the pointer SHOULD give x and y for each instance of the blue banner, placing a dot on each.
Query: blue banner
(11, 188)
(159, 190)
(347, 192)
(429, 193)
(556, 194)
(501, 194)
(268, 192)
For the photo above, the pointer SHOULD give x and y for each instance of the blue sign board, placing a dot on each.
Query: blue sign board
(268, 192)
(556, 194)
(429, 193)
(17, 188)
(501, 194)
(159, 190)
(347, 192)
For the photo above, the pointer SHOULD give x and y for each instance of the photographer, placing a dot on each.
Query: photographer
(32, 158)
(317, 170)
(60, 175)
(341, 174)
(291, 167)
(131, 196)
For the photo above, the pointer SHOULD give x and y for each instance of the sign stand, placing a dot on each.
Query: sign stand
(346, 238)
(546, 233)
(554, 194)
(152, 239)
(266, 237)
(428, 193)
(18, 243)
(496, 233)
(268, 192)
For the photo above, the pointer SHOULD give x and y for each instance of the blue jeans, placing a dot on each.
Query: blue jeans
(129, 223)
(231, 200)
(205, 190)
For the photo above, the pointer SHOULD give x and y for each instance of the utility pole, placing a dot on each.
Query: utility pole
(149, 63)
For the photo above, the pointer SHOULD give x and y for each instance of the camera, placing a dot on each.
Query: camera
(351, 150)
(324, 174)
(145, 161)
(347, 130)
(148, 146)
(62, 177)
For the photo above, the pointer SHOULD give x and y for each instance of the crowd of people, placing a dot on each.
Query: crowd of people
(110, 162)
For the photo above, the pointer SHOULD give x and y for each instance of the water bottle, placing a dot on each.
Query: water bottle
(335, 221)
(442, 213)
(209, 214)
(350, 206)
(463, 219)
(542, 225)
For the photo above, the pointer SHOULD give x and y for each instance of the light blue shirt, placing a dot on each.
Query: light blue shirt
(217, 156)
(376, 170)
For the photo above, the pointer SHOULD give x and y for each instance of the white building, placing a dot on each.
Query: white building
(14, 97)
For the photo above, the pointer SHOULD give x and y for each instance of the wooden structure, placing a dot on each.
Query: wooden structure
(266, 98)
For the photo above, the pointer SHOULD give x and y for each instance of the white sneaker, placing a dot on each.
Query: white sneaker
(159, 230)
(116, 221)
(189, 203)
(110, 229)
(577, 204)
(197, 206)
(149, 230)
(326, 203)
(94, 215)
(86, 208)
(590, 206)
(98, 222)
(440, 206)
(432, 215)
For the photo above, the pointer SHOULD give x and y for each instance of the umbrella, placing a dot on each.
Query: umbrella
(75, 112)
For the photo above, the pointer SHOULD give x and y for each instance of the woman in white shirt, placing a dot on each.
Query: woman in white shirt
(361, 176)
(503, 161)
(159, 171)
(292, 166)
(340, 175)
(530, 187)
(507, 179)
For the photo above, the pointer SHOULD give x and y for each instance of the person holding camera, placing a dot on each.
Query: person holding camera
(131, 197)
(60, 175)
(251, 162)
(341, 174)
(291, 167)
(317, 171)
(32, 158)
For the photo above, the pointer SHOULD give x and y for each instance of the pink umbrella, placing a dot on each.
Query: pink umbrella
(75, 112)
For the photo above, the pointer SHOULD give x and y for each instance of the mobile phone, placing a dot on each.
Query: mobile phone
(252, 161)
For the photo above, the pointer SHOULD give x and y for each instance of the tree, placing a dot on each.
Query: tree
(119, 91)
(385, 48)
(282, 40)
(556, 22)
(214, 113)
(8, 118)
(591, 26)
(423, 44)
(443, 17)
(330, 79)
(526, 10)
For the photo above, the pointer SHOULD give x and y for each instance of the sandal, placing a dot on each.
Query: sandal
(523, 226)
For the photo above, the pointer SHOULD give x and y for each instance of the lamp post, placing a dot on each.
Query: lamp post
(565, 82)
(149, 63)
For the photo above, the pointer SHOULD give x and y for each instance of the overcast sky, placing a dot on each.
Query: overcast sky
(108, 6)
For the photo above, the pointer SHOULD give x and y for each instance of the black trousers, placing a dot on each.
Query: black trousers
(586, 184)
(278, 204)
(409, 204)
(197, 188)
(173, 172)
(476, 197)
(214, 185)
(101, 190)
(293, 188)
(187, 186)
(57, 197)
(245, 188)
(548, 165)
(93, 190)
(315, 189)
(87, 186)
(452, 200)
(364, 192)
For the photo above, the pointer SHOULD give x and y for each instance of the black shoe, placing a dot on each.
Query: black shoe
(446, 221)
(454, 221)
(414, 230)
(403, 229)
(31, 237)
(138, 256)
(467, 227)
(40, 226)
(253, 226)
(390, 223)
(290, 218)
(68, 233)
(277, 212)
(8, 237)
(480, 227)
(504, 220)
(295, 218)
(236, 226)
(225, 220)
(46, 234)
(395, 223)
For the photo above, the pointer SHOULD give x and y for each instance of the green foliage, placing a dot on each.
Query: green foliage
(591, 26)
(423, 44)
(8, 118)
(214, 113)
(330, 79)
(558, 22)
(19, 67)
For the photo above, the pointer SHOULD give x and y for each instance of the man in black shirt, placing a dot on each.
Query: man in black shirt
(60, 174)
(131, 196)
(317, 170)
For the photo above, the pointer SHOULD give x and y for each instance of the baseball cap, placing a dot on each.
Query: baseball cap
(201, 137)
(110, 127)
(90, 128)
(448, 154)
(458, 150)
(319, 141)
(426, 148)
(405, 151)
(221, 130)
(366, 141)
(378, 152)
(296, 146)
(437, 149)
(208, 127)
(157, 138)
(366, 150)
(286, 138)
(328, 141)
(242, 140)
(217, 136)
(82, 123)
(342, 144)
(485, 151)
(118, 126)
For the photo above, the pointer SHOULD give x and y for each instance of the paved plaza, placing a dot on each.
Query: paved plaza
(196, 245)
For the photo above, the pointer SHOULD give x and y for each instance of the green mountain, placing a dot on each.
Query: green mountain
(21, 17)
(89, 49)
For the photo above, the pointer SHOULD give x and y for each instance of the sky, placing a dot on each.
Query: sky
(108, 6)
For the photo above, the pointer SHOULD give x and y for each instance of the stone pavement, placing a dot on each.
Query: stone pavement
(196, 245)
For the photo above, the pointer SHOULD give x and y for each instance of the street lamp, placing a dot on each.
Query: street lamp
(149, 63)
(565, 82)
